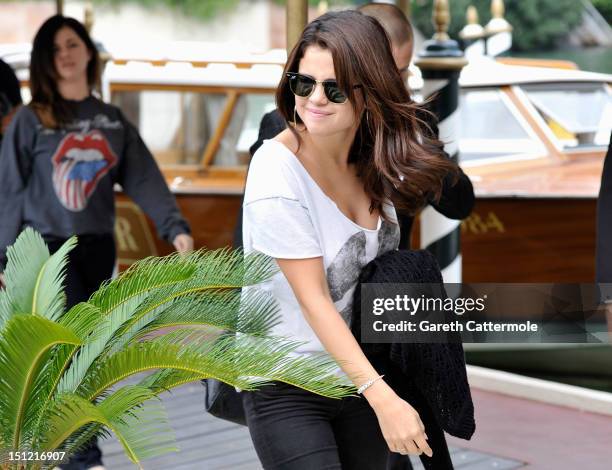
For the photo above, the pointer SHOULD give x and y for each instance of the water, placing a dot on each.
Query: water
(595, 59)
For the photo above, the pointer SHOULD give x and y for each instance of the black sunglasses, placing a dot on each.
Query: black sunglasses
(303, 86)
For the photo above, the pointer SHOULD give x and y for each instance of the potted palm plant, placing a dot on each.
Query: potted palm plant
(61, 373)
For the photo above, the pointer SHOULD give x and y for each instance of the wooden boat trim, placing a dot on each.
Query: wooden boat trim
(224, 120)
(549, 63)
(531, 115)
(144, 86)
(196, 63)
(544, 391)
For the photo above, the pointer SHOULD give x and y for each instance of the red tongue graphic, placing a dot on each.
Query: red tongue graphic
(72, 190)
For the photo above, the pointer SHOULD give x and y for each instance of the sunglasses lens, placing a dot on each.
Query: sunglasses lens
(333, 93)
(301, 86)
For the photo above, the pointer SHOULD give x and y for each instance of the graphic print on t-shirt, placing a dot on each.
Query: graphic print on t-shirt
(79, 163)
(343, 272)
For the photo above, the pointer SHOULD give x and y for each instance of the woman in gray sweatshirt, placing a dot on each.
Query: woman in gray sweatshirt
(60, 159)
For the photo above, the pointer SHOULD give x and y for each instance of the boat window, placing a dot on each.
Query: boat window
(242, 129)
(578, 114)
(176, 125)
(491, 128)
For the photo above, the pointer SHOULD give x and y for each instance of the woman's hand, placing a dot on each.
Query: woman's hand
(2, 281)
(183, 243)
(399, 422)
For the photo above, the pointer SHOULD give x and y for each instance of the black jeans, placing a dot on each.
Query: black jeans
(90, 263)
(293, 429)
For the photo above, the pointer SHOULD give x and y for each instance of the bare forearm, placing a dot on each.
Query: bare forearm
(338, 340)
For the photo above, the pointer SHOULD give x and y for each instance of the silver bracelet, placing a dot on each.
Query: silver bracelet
(368, 384)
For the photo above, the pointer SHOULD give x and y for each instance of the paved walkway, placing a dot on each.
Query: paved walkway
(547, 437)
(208, 443)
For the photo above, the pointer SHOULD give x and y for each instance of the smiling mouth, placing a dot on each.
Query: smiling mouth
(317, 113)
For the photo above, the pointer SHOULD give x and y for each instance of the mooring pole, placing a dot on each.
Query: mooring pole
(441, 61)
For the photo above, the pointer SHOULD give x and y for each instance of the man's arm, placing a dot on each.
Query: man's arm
(457, 199)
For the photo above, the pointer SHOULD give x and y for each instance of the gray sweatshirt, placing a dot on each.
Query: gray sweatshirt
(60, 182)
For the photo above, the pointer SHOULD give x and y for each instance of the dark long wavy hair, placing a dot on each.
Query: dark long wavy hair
(51, 108)
(397, 155)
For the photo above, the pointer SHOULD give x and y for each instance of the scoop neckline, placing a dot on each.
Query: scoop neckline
(313, 181)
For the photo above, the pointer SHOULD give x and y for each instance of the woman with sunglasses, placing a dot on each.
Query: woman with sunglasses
(320, 199)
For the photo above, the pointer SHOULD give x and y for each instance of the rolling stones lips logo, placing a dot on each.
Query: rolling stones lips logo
(80, 161)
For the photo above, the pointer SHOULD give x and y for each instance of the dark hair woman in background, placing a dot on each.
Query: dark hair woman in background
(10, 96)
(61, 157)
(320, 199)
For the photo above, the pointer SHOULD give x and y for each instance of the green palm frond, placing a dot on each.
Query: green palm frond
(143, 292)
(61, 373)
(96, 343)
(139, 429)
(26, 257)
(229, 359)
(250, 312)
(34, 278)
(205, 269)
(167, 379)
(25, 342)
(6, 309)
(48, 299)
(82, 320)
(143, 277)
(143, 428)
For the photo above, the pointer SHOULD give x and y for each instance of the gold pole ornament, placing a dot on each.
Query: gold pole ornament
(441, 20)
(88, 17)
(472, 30)
(322, 8)
(498, 23)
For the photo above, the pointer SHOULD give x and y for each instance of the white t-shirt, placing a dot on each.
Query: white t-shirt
(287, 215)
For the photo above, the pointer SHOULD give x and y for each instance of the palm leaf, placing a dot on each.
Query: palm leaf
(232, 360)
(82, 319)
(34, 279)
(48, 298)
(140, 418)
(206, 269)
(166, 379)
(26, 258)
(154, 283)
(6, 309)
(57, 378)
(95, 344)
(138, 428)
(252, 312)
(143, 277)
(24, 344)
